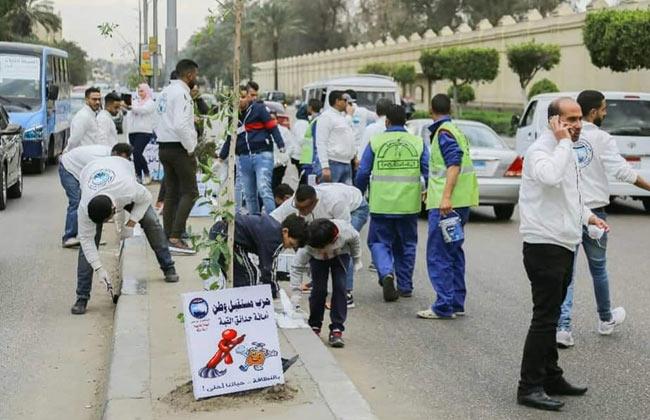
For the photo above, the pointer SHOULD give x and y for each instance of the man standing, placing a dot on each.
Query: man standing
(393, 163)
(108, 184)
(112, 106)
(376, 127)
(552, 214)
(84, 128)
(177, 140)
(254, 149)
(70, 167)
(453, 189)
(308, 153)
(598, 157)
(335, 140)
(328, 201)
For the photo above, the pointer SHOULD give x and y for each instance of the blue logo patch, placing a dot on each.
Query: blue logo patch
(584, 153)
(100, 178)
(198, 308)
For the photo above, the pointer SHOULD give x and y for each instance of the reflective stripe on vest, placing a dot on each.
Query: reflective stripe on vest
(395, 182)
(465, 192)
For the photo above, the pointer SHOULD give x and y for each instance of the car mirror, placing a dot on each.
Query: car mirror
(514, 121)
(52, 92)
(11, 130)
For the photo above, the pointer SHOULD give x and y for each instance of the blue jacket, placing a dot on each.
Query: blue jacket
(256, 130)
(259, 234)
(451, 151)
(368, 159)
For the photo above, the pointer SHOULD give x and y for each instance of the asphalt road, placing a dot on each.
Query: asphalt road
(468, 368)
(52, 363)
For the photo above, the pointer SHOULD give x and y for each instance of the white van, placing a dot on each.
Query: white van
(628, 121)
(368, 87)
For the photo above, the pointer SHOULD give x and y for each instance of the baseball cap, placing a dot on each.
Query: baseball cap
(349, 99)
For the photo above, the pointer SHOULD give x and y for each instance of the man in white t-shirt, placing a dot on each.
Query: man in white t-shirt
(112, 107)
(70, 167)
(84, 128)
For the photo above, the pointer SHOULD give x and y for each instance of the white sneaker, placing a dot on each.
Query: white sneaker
(71, 243)
(564, 339)
(146, 180)
(607, 327)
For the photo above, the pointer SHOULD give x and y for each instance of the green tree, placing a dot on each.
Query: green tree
(384, 69)
(618, 39)
(493, 10)
(26, 13)
(542, 86)
(527, 59)
(77, 61)
(274, 20)
(465, 94)
(463, 66)
(404, 74)
(432, 68)
(6, 6)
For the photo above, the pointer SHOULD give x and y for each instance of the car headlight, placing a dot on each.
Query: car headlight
(35, 133)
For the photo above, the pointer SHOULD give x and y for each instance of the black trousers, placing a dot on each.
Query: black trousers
(549, 269)
(320, 271)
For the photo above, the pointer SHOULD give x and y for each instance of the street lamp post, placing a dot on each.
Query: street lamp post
(171, 38)
(155, 37)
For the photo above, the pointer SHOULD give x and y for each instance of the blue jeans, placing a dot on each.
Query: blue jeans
(596, 251)
(139, 141)
(73, 191)
(156, 238)
(446, 266)
(393, 243)
(320, 272)
(256, 172)
(359, 217)
(341, 172)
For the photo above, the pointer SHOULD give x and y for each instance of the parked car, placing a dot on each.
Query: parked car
(497, 166)
(278, 108)
(275, 96)
(11, 151)
(369, 88)
(628, 121)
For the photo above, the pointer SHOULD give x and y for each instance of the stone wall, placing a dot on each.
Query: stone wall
(563, 27)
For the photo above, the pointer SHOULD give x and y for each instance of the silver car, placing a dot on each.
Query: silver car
(497, 166)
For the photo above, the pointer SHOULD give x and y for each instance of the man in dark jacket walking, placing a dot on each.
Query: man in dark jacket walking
(254, 149)
(261, 235)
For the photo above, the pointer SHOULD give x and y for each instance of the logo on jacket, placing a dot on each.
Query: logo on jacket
(584, 153)
(397, 154)
(100, 178)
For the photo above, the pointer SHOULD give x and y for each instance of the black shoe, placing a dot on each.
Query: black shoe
(405, 294)
(562, 387)
(171, 276)
(336, 339)
(79, 307)
(540, 400)
(388, 284)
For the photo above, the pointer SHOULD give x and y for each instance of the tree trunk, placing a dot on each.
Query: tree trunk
(276, 47)
(459, 111)
(239, 8)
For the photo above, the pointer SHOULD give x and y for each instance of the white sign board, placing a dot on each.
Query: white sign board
(150, 154)
(20, 67)
(232, 340)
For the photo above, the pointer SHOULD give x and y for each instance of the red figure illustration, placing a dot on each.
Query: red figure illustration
(229, 341)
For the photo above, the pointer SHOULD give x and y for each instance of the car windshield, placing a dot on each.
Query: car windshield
(368, 99)
(478, 136)
(20, 79)
(627, 118)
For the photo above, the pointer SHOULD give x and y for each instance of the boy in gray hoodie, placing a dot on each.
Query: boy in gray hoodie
(330, 246)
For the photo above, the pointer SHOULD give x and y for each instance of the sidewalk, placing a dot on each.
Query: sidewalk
(149, 374)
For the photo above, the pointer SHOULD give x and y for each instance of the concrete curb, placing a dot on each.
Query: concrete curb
(129, 388)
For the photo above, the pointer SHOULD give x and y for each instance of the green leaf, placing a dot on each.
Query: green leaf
(181, 317)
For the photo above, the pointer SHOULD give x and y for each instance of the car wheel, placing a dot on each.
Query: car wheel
(16, 190)
(504, 211)
(3, 188)
(646, 204)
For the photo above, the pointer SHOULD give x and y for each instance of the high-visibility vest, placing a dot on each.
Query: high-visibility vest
(395, 181)
(307, 151)
(465, 193)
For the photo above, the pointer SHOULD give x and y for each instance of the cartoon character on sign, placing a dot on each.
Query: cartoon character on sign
(255, 356)
(229, 341)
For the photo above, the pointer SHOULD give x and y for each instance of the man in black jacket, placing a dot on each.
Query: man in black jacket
(261, 235)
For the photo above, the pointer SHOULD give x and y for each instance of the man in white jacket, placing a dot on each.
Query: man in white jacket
(377, 127)
(598, 157)
(552, 214)
(335, 140)
(177, 140)
(112, 107)
(84, 128)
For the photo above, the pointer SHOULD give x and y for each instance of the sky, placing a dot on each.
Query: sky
(81, 17)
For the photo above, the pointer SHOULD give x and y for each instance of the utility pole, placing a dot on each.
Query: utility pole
(171, 39)
(155, 53)
(145, 26)
(239, 8)
(139, 36)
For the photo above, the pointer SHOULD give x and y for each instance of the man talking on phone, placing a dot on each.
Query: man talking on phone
(552, 215)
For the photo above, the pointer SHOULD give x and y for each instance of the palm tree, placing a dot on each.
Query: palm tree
(26, 13)
(274, 19)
